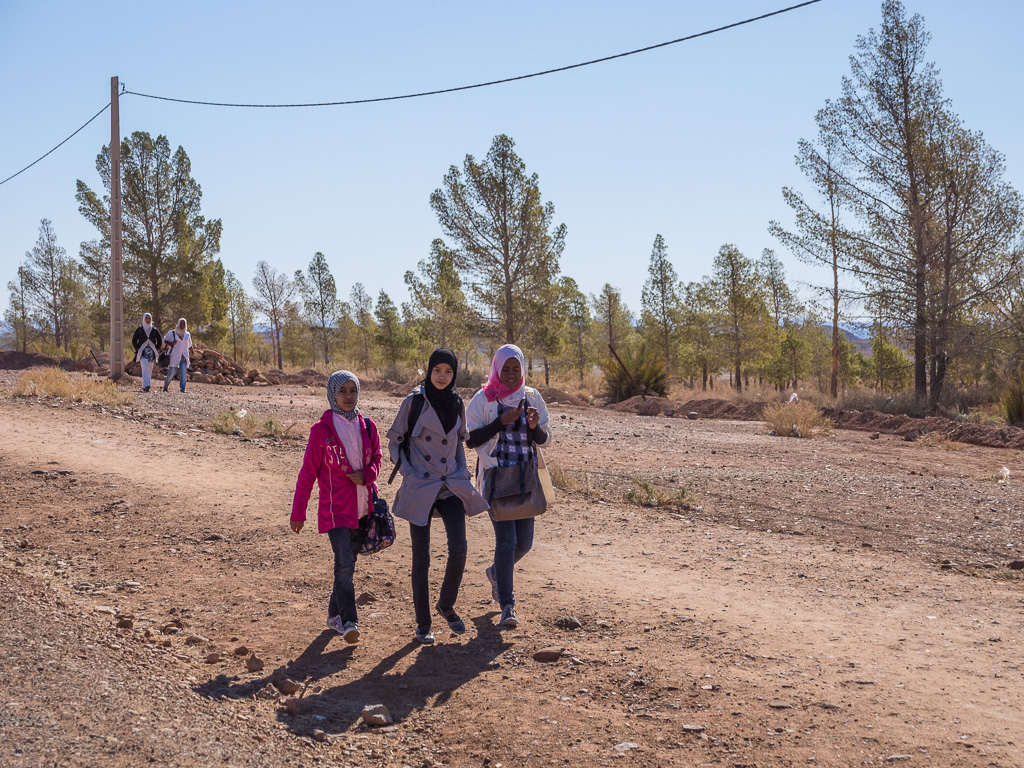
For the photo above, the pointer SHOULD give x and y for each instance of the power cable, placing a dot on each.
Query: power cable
(426, 93)
(58, 146)
(481, 85)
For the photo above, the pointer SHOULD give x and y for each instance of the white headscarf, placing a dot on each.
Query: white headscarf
(147, 327)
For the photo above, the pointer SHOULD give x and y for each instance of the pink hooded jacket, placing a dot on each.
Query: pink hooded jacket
(325, 462)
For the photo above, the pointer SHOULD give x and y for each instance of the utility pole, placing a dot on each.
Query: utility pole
(116, 273)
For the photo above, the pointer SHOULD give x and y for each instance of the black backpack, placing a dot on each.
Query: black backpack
(415, 409)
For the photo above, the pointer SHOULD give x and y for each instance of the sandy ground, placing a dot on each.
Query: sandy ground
(837, 601)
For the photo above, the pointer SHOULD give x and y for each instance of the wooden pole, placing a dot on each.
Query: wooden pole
(638, 387)
(116, 274)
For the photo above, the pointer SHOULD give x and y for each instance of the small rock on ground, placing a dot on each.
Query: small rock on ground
(287, 686)
(377, 714)
(553, 653)
(298, 706)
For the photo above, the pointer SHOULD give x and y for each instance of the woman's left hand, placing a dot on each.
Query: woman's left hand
(357, 477)
(532, 418)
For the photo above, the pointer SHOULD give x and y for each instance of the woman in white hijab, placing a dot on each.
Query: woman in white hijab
(147, 341)
(180, 342)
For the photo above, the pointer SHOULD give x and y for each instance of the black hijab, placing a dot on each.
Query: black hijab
(445, 402)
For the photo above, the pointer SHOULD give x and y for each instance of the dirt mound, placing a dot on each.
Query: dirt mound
(396, 388)
(307, 377)
(560, 396)
(93, 362)
(990, 435)
(19, 361)
(632, 405)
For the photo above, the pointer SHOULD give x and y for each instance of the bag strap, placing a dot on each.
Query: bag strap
(415, 409)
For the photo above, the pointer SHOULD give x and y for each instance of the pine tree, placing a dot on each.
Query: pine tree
(660, 301)
(319, 302)
(502, 233)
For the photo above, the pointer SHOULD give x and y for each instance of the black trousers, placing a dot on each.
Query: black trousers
(453, 515)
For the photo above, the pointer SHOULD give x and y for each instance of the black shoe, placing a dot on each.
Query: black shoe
(508, 617)
(165, 388)
(145, 389)
(456, 624)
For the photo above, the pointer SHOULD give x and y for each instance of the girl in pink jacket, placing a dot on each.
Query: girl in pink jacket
(343, 456)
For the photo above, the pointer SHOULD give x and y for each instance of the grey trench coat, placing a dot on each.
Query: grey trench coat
(436, 460)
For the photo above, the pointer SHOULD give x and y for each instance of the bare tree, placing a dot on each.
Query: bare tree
(55, 293)
(273, 292)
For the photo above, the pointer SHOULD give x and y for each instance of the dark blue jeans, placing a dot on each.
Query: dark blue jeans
(453, 515)
(512, 540)
(343, 596)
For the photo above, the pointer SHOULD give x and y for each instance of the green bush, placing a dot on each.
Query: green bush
(225, 423)
(1012, 399)
(649, 374)
(644, 493)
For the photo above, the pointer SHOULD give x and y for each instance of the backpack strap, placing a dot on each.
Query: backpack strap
(415, 409)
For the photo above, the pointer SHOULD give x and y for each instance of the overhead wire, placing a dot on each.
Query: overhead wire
(424, 93)
(484, 84)
(105, 108)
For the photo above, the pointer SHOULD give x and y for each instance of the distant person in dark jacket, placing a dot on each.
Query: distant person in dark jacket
(147, 341)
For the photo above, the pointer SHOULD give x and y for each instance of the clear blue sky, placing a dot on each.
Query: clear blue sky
(693, 141)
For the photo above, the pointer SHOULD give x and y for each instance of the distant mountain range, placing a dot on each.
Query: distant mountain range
(863, 345)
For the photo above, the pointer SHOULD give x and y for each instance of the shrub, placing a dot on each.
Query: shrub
(939, 440)
(400, 375)
(54, 382)
(648, 372)
(469, 378)
(801, 419)
(572, 482)
(225, 423)
(228, 421)
(1012, 399)
(644, 493)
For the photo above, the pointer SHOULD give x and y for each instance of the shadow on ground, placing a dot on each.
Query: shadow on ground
(435, 673)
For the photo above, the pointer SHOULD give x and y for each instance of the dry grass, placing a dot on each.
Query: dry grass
(801, 419)
(644, 493)
(251, 425)
(573, 481)
(54, 382)
(939, 440)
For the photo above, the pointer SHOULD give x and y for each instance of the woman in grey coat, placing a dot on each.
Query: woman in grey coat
(426, 443)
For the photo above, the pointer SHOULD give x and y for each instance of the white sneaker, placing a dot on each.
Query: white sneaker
(334, 622)
(350, 631)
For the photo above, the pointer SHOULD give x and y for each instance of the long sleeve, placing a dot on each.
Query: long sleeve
(481, 435)
(372, 470)
(541, 435)
(460, 459)
(396, 435)
(307, 475)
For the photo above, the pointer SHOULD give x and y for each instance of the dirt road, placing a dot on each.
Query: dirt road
(839, 602)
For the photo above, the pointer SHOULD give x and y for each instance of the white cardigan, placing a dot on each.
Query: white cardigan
(180, 347)
(480, 413)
